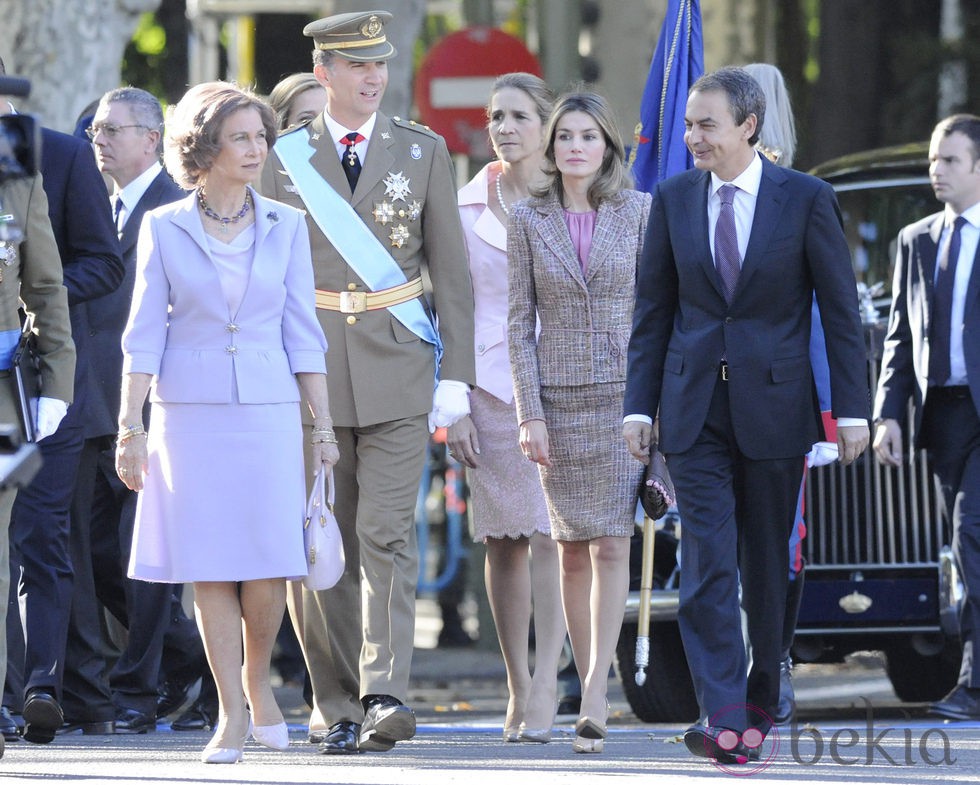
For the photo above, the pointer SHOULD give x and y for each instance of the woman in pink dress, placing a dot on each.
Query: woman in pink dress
(509, 512)
(223, 336)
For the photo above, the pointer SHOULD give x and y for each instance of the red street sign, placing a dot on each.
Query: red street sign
(453, 84)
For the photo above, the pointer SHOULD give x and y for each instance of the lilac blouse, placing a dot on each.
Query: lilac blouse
(580, 227)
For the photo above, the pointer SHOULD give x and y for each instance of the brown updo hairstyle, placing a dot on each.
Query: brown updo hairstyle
(194, 124)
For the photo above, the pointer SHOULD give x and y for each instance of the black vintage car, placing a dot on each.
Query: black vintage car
(880, 574)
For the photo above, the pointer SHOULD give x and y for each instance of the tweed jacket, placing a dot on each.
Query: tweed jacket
(36, 279)
(406, 195)
(584, 320)
(180, 329)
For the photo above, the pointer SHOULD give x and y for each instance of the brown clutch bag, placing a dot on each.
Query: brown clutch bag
(656, 489)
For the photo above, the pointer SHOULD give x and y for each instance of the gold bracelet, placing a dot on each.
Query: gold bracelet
(127, 432)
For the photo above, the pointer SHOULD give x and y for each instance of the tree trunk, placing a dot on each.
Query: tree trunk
(71, 50)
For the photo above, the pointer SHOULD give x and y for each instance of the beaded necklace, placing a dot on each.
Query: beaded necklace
(221, 219)
(500, 196)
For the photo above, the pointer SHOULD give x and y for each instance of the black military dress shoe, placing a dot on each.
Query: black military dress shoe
(963, 703)
(386, 720)
(8, 728)
(88, 727)
(340, 739)
(705, 742)
(42, 716)
(172, 696)
(134, 721)
(198, 716)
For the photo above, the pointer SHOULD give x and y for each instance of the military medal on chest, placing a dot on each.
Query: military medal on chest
(385, 211)
(10, 236)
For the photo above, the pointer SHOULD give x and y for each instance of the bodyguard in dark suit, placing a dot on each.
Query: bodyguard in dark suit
(734, 252)
(932, 356)
(82, 225)
(127, 132)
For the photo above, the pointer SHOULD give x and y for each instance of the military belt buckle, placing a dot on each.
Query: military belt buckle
(353, 302)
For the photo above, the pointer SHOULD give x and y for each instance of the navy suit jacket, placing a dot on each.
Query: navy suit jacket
(905, 361)
(78, 206)
(106, 316)
(683, 326)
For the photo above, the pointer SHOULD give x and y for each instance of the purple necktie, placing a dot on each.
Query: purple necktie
(727, 258)
(942, 307)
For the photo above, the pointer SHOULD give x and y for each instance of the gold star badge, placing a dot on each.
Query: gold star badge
(398, 236)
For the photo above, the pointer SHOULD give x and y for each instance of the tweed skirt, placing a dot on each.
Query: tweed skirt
(506, 498)
(591, 486)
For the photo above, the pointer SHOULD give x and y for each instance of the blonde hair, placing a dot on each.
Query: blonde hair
(287, 91)
(777, 138)
(612, 176)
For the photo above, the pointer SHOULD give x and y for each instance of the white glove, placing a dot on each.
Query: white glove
(450, 402)
(50, 413)
(821, 454)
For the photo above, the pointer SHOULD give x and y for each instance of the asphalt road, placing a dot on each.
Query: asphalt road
(851, 730)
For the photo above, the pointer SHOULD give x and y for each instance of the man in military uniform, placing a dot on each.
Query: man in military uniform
(30, 270)
(381, 202)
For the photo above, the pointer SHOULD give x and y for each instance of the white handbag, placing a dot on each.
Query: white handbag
(321, 536)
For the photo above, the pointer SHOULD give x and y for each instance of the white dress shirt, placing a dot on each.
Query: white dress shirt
(338, 132)
(131, 194)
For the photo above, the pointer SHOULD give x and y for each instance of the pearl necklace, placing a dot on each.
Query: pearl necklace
(500, 196)
(221, 219)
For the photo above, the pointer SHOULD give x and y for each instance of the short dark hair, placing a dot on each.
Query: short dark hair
(194, 124)
(966, 124)
(745, 95)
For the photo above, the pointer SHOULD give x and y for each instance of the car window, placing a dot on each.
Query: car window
(874, 212)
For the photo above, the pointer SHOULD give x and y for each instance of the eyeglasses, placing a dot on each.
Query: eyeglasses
(110, 130)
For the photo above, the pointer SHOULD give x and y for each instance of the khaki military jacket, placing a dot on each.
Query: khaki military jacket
(377, 369)
(31, 273)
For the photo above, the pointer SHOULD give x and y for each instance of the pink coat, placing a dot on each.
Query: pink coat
(486, 246)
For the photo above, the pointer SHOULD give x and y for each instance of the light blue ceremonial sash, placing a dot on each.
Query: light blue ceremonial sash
(354, 241)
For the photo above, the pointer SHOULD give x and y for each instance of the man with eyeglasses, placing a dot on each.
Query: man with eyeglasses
(127, 132)
(39, 529)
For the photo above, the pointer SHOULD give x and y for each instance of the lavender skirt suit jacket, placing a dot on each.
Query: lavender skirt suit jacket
(224, 494)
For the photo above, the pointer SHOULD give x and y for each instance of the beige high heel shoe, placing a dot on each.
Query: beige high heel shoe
(214, 754)
(275, 737)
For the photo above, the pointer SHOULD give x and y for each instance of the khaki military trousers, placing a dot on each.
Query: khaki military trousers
(358, 637)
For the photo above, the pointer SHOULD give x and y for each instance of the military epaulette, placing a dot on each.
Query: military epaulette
(413, 126)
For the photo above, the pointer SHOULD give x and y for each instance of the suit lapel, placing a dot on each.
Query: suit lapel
(324, 156)
(554, 233)
(150, 199)
(768, 208)
(610, 227)
(696, 207)
(378, 161)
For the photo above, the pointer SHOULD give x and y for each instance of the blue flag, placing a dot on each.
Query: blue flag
(658, 142)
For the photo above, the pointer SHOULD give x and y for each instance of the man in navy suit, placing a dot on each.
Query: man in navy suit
(127, 131)
(932, 356)
(39, 529)
(734, 252)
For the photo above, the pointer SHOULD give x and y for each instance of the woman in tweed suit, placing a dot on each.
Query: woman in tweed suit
(509, 511)
(573, 252)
